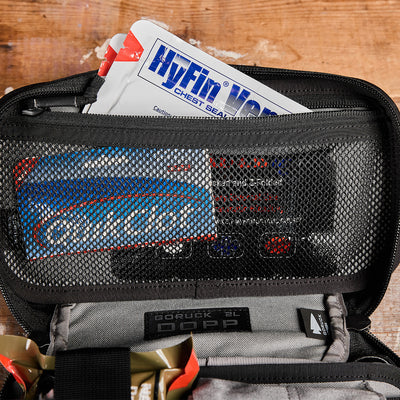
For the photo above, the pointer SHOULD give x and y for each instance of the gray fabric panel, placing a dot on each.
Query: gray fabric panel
(307, 393)
(276, 330)
(59, 328)
(219, 389)
(386, 389)
(340, 348)
(275, 324)
(261, 344)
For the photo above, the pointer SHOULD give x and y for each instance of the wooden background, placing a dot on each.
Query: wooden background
(42, 40)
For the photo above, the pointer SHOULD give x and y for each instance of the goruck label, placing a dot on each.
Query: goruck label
(315, 323)
(159, 324)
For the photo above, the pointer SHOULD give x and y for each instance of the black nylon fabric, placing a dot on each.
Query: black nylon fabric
(93, 374)
(313, 206)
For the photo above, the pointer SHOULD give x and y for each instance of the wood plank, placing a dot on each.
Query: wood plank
(46, 40)
(386, 318)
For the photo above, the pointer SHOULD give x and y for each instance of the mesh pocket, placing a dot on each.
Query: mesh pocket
(84, 216)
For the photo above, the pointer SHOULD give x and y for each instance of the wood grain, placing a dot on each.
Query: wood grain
(386, 318)
(44, 40)
(49, 39)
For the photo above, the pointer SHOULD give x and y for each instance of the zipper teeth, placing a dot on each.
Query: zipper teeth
(21, 323)
(6, 382)
(3, 290)
(182, 119)
(13, 311)
(30, 91)
(395, 114)
(382, 346)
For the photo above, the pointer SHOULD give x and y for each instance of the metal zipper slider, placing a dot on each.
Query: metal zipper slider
(56, 103)
(32, 112)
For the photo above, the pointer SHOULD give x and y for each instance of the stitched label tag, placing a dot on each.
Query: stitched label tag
(159, 324)
(315, 323)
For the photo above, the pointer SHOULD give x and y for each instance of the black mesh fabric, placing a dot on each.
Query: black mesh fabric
(82, 216)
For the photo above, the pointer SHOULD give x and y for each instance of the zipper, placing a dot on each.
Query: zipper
(27, 330)
(39, 90)
(72, 103)
(128, 121)
(47, 104)
(362, 325)
(22, 324)
(7, 382)
(33, 91)
(394, 112)
(381, 346)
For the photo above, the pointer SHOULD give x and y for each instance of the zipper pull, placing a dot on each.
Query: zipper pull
(32, 112)
(65, 103)
(57, 103)
(60, 103)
